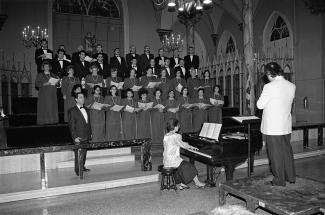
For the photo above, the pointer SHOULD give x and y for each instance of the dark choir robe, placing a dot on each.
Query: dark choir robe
(171, 104)
(185, 74)
(138, 71)
(129, 57)
(131, 82)
(164, 86)
(47, 104)
(207, 85)
(144, 122)
(158, 60)
(185, 115)
(193, 85)
(96, 80)
(174, 83)
(174, 61)
(109, 80)
(105, 57)
(144, 81)
(129, 121)
(59, 67)
(169, 72)
(200, 116)
(113, 119)
(215, 112)
(103, 69)
(120, 66)
(194, 62)
(39, 60)
(66, 89)
(158, 122)
(97, 119)
(81, 70)
(145, 61)
(75, 57)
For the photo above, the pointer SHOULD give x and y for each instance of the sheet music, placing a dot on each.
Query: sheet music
(145, 106)
(237, 135)
(136, 88)
(159, 106)
(216, 102)
(48, 56)
(179, 87)
(99, 106)
(211, 130)
(242, 118)
(53, 81)
(153, 84)
(188, 106)
(118, 85)
(117, 108)
(173, 110)
(89, 59)
(129, 109)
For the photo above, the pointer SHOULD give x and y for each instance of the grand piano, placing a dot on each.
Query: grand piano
(227, 152)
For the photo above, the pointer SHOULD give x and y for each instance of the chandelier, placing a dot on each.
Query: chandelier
(32, 37)
(188, 6)
(172, 43)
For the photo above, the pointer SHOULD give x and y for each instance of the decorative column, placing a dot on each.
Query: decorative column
(248, 63)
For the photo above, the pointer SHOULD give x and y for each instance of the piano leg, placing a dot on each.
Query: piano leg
(229, 169)
(252, 162)
(209, 180)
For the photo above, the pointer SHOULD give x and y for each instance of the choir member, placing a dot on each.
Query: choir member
(178, 83)
(129, 121)
(68, 83)
(143, 117)
(160, 59)
(113, 79)
(172, 106)
(174, 61)
(215, 112)
(165, 84)
(133, 54)
(81, 66)
(113, 118)
(131, 82)
(99, 50)
(135, 65)
(157, 118)
(146, 79)
(200, 114)
(59, 65)
(97, 117)
(66, 56)
(207, 83)
(75, 55)
(185, 112)
(103, 68)
(145, 58)
(181, 67)
(155, 70)
(186, 171)
(169, 70)
(93, 79)
(40, 55)
(47, 104)
(193, 83)
(191, 60)
(119, 63)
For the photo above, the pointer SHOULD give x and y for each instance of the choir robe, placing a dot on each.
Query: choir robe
(191, 84)
(215, 112)
(92, 79)
(200, 116)
(129, 120)
(207, 85)
(66, 89)
(144, 122)
(174, 83)
(129, 83)
(164, 86)
(113, 119)
(108, 83)
(47, 104)
(158, 122)
(97, 119)
(144, 81)
(171, 104)
(185, 115)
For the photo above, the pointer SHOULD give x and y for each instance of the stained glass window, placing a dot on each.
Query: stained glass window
(230, 46)
(279, 30)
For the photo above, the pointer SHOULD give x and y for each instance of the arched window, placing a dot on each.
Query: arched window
(230, 48)
(279, 30)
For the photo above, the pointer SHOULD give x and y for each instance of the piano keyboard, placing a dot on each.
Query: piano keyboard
(200, 153)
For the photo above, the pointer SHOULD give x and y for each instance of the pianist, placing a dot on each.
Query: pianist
(186, 171)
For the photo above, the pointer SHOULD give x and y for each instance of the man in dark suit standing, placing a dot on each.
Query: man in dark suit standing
(75, 55)
(170, 71)
(80, 129)
(145, 58)
(134, 65)
(81, 66)
(185, 73)
(99, 50)
(59, 65)
(102, 66)
(119, 63)
(174, 61)
(66, 56)
(131, 55)
(160, 59)
(42, 54)
(191, 60)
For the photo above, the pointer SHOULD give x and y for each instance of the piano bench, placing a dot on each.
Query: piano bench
(167, 178)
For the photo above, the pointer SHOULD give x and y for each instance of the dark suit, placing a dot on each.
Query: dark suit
(81, 71)
(157, 59)
(138, 71)
(173, 61)
(79, 128)
(129, 57)
(195, 62)
(58, 70)
(75, 57)
(105, 71)
(145, 61)
(39, 60)
(171, 74)
(105, 57)
(121, 67)
(187, 73)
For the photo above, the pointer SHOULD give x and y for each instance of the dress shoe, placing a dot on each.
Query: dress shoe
(85, 169)
(77, 172)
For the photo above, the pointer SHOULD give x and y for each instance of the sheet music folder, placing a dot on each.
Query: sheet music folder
(246, 119)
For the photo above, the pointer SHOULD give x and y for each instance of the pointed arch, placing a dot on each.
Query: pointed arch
(224, 39)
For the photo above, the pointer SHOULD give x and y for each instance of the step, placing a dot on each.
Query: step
(100, 160)
(108, 152)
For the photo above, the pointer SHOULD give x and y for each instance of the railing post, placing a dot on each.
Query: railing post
(44, 182)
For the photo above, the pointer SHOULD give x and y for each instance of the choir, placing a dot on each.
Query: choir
(133, 100)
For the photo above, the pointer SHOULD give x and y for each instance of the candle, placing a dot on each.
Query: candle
(33, 32)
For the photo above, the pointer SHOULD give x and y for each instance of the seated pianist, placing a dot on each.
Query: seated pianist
(186, 171)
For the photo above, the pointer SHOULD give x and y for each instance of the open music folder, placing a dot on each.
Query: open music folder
(211, 130)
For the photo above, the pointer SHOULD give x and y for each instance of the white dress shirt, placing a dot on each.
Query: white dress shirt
(119, 59)
(84, 113)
